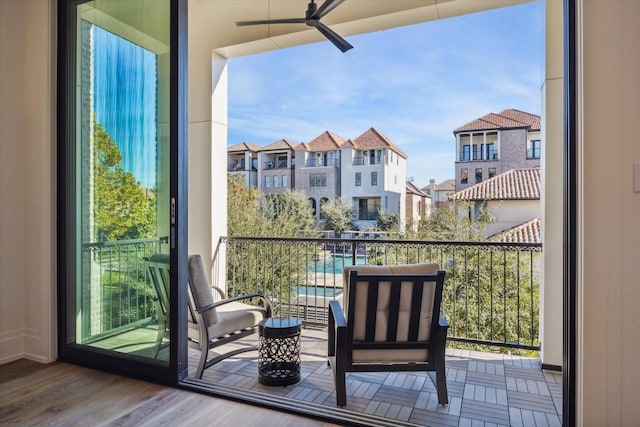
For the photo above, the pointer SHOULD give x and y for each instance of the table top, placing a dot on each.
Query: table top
(280, 322)
(275, 327)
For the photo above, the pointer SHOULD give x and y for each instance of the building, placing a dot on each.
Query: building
(373, 176)
(242, 159)
(602, 333)
(440, 193)
(276, 162)
(495, 143)
(318, 169)
(418, 205)
(511, 199)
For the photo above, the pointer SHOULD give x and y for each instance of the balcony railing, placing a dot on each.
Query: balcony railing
(467, 156)
(120, 294)
(491, 296)
(319, 163)
(275, 164)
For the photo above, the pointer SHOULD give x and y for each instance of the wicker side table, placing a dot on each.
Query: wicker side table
(279, 351)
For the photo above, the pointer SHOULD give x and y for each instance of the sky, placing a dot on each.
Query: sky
(415, 84)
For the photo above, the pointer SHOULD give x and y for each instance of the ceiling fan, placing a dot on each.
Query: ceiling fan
(312, 19)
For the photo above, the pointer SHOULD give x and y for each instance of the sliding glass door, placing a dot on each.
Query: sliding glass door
(122, 168)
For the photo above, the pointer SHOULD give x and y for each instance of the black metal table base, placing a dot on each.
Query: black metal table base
(279, 351)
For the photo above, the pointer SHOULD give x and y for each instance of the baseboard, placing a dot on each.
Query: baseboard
(13, 346)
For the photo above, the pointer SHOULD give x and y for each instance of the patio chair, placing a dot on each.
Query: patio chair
(388, 326)
(212, 324)
(158, 270)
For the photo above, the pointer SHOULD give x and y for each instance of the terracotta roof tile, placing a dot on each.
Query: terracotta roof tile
(515, 184)
(528, 232)
(243, 146)
(326, 141)
(507, 119)
(282, 144)
(372, 138)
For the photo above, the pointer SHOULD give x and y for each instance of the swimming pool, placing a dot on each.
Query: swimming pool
(334, 264)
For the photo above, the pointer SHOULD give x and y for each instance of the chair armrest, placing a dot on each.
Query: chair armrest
(337, 314)
(220, 292)
(264, 299)
(337, 330)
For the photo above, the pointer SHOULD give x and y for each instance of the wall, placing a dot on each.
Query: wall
(609, 237)
(27, 181)
(510, 213)
(551, 190)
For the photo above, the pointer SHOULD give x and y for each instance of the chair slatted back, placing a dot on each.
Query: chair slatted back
(393, 311)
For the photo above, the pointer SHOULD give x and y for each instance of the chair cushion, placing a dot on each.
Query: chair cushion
(232, 317)
(422, 268)
(199, 285)
(390, 356)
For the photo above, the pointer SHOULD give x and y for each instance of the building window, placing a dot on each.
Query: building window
(374, 178)
(492, 172)
(312, 203)
(464, 176)
(533, 149)
(378, 157)
(477, 152)
(276, 181)
(318, 180)
(466, 153)
(358, 179)
(285, 181)
(267, 181)
(368, 208)
(491, 152)
(478, 175)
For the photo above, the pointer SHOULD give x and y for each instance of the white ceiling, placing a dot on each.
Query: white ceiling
(212, 22)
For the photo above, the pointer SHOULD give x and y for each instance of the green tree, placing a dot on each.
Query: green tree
(386, 220)
(121, 208)
(337, 216)
(252, 263)
(446, 224)
(250, 213)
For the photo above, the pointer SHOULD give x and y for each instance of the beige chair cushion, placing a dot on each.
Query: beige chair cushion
(200, 288)
(359, 322)
(231, 317)
(422, 268)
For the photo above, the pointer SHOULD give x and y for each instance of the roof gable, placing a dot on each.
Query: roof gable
(282, 144)
(373, 138)
(506, 119)
(515, 184)
(326, 141)
(243, 146)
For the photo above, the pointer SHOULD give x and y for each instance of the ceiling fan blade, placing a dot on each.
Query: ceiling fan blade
(327, 7)
(272, 21)
(333, 37)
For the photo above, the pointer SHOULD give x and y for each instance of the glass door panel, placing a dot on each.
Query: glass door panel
(121, 177)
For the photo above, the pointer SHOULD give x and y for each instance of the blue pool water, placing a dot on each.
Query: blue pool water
(334, 264)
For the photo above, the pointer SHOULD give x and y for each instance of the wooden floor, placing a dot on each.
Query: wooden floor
(485, 390)
(60, 394)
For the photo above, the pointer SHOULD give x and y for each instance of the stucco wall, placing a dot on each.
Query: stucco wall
(27, 181)
(609, 244)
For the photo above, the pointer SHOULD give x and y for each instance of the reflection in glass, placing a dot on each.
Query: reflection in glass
(123, 182)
